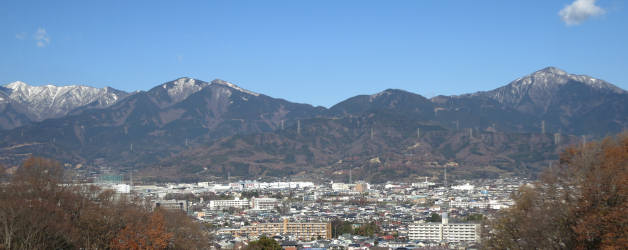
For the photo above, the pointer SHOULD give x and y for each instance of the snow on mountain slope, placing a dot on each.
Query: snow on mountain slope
(546, 80)
(180, 89)
(233, 86)
(3, 96)
(49, 101)
(543, 86)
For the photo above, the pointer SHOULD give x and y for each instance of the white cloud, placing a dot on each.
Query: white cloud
(20, 36)
(41, 37)
(579, 11)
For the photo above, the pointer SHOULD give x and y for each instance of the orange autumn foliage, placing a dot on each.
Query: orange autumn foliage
(39, 211)
(149, 233)
(601, 212)
(581, 204)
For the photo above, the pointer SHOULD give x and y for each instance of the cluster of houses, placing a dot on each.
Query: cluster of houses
(305, 214)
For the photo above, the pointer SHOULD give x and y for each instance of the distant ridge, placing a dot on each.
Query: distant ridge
(198, 128)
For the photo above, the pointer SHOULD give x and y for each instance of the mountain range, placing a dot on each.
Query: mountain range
(192, 129)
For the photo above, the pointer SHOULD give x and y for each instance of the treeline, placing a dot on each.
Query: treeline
(38, 211)
(580, 204)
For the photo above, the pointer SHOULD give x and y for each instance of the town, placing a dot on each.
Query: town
(332, 215)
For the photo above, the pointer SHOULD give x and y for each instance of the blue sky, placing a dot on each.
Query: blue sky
(317, 52)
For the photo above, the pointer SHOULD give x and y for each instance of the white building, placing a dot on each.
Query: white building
(339, 186)
(465, 187)
(454, 232)
(122, 188)
(500, 204)
(222, 204)
(423, 184)
(254, 185)
(469, 204)
(264, 203)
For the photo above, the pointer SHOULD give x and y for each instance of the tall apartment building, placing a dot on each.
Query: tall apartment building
(305, 231)
(445, 231)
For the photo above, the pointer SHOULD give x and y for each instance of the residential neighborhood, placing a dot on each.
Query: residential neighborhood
(333, 215)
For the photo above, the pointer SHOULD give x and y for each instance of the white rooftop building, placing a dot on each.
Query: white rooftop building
(339, 186)
(465, 187)
(445, 231)
(223, 204)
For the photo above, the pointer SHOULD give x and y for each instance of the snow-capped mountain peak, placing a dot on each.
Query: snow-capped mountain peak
(183, 82)
(49, 101)
(16, 85)
(541, 87)
(182, 88)
(550, 77)
(233, 86)
(551, 70)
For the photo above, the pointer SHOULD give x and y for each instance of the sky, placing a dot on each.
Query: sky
(317, 52)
